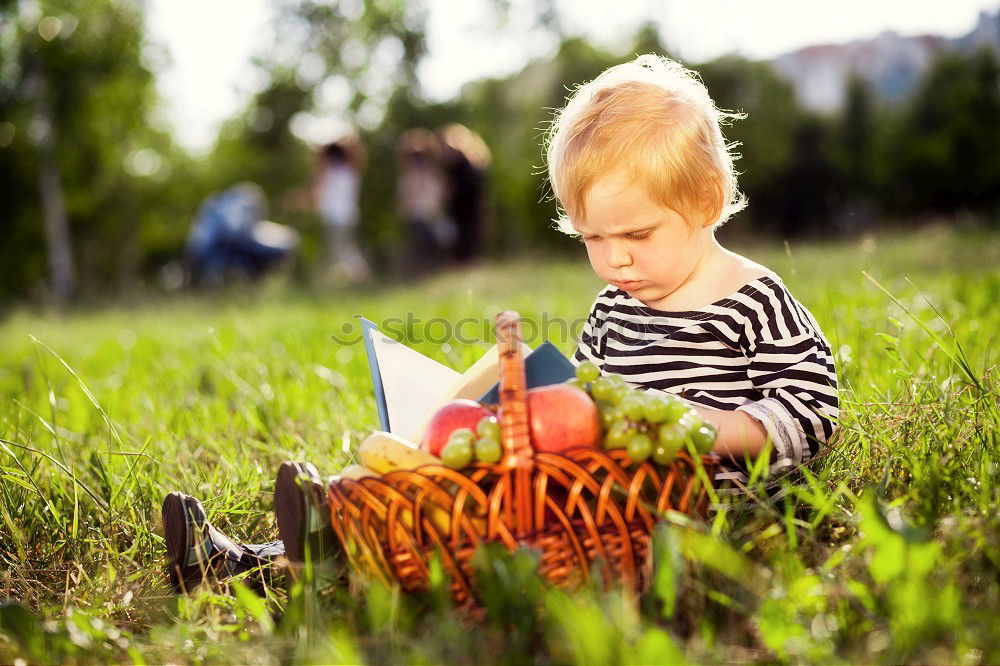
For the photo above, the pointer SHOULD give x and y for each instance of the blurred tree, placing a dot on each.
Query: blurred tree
(258, 144)
(648, 40)
(76, 97)
(768, 138)
(807, 180)
(373, 47)
(856, 143)
(62, 274)
(856, 139)
(948, 139)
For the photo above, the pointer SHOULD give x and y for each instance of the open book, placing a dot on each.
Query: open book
(410, 387)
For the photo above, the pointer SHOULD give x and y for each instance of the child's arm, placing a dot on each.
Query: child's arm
(794, 373)
(740, 435)
(791, 366)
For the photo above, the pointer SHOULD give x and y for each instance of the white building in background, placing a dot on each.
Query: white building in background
(890, 62)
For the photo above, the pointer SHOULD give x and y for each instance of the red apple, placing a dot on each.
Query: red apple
(562, 417)
(456, 414)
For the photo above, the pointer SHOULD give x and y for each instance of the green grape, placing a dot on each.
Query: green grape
(675, 409)
(633, 406)
(462, 435)
(618, 435)
(488, 449)
(655, 408)
(609, 388)
(703, 438)
(587, 371)
(690, 421)
(663, 454)
(603, 388)
(457, 453)
(618, 392)
(672, 435)
(639, 447)
(579, 383)
(610, 414)
(488, 426)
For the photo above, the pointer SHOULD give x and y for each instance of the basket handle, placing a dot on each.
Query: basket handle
(514, 424)
(514, 427)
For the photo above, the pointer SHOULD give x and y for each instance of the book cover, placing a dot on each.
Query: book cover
(544, 366)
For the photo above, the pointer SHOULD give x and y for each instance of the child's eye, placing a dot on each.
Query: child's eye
(640, 236)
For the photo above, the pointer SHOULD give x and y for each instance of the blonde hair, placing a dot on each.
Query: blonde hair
(653, 119)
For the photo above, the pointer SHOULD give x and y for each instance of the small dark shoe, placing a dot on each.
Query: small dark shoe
(304, 521)
(196, 551)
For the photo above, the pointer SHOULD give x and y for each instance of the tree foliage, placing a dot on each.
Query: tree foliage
(948, 138)
(119, 173)
(130, 192)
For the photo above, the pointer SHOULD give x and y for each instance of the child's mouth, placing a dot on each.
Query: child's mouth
(628, 285)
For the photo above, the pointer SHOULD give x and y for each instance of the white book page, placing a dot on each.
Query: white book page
(413, 384)
(474, 382)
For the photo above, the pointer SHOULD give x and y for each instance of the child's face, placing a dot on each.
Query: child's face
(637, 245)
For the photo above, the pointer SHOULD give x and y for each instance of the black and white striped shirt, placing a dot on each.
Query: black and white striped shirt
(758, 350)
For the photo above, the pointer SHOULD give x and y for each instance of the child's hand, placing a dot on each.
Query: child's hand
(739, 434)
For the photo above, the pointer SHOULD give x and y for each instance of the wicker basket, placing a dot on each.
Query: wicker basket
(578, 508)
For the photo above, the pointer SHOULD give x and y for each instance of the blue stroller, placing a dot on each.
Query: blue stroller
(231, 239)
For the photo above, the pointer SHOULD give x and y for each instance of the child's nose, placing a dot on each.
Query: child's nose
(618, 255)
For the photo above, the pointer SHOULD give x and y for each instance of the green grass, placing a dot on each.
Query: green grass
(889, 551)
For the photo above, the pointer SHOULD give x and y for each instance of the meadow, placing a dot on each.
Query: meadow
(887, 551)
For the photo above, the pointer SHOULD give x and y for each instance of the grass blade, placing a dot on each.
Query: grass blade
(955, 353)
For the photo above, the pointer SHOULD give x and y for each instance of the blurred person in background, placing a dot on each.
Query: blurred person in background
(421, 194)
(336, 191)
(465, 157)
(231, 239)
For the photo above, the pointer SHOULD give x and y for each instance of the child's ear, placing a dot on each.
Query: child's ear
(712, 197)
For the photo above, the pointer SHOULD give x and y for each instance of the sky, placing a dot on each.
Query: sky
(205, 72)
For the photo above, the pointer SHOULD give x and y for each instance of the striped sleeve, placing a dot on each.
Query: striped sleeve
(591, 345)
(791, 365)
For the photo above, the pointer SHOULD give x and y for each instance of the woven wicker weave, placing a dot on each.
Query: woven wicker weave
(578, 508)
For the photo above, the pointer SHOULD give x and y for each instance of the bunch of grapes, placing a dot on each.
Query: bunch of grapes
(656, 425)
(464, 445)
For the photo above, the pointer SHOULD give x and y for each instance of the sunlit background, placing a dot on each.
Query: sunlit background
(118, 119)
(207, 73)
